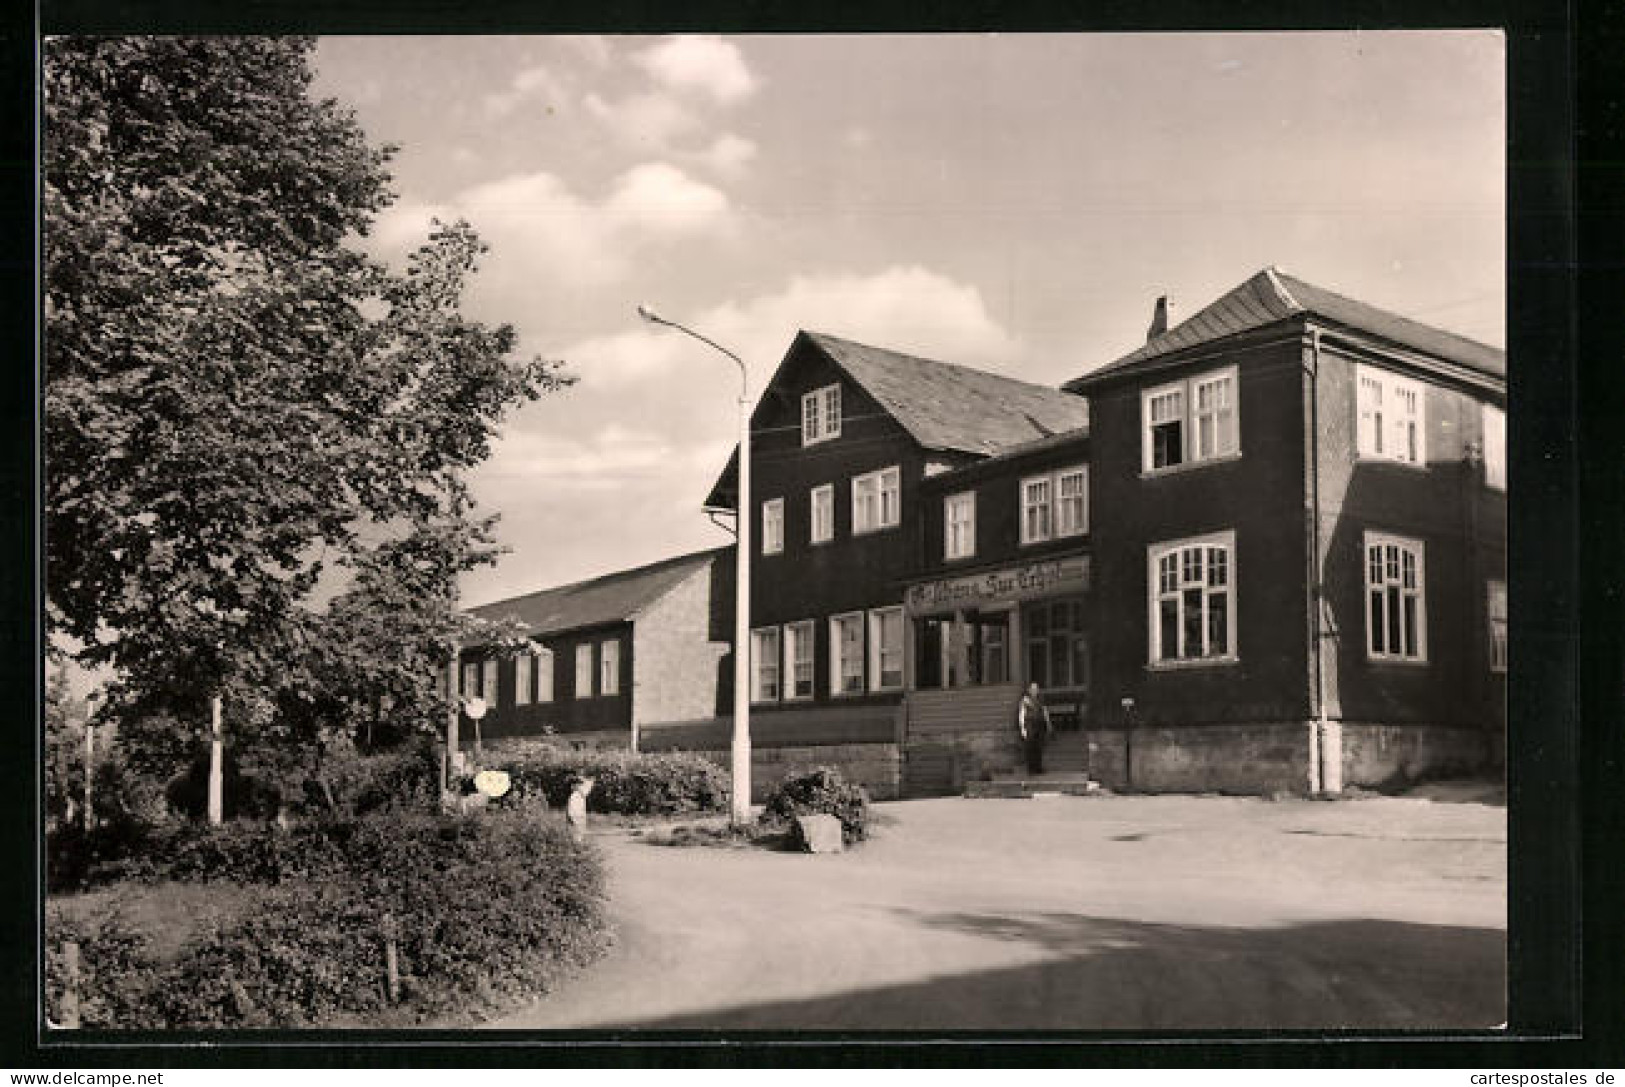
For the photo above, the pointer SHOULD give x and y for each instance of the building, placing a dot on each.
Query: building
(1002, 597)
(843, 440)
(1264, 551)
(612, 654)
(1299, 547)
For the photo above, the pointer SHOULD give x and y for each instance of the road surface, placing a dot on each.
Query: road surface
(1065, 914)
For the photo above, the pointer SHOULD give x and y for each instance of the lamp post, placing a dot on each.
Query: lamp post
(739, 807)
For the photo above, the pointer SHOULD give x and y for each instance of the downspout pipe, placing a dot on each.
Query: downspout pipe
(1325, 740)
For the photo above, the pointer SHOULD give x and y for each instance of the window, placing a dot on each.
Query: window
(1035, 510)
(1072, 509)
(876, 500)
(524, 672)
(959, 526)
(1497, 611)
(798, 659)
(823, 513)
(1395, 615)
(1190, 421)
(544, 676)
(471, 680)
(1495, 448)
(846, 654)
(1391, 422)
(488, 682)
(886, 649)
(584, 671)
(764, 655)
(821, 415)
(609, 667)
(1193, 614)
(1057, 643)
(1055, 505)
(773, 526)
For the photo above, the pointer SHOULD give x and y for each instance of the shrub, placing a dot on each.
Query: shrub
(116, 967)
(485, 911)
(821, 792)
(355, 784)
(626, 783)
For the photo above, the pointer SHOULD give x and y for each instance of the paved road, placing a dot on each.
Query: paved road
(1071, 914)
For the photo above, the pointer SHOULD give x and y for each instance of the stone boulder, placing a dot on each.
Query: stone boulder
(819, 833)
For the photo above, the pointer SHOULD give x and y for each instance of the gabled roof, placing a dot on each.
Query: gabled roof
(1272, 295)
(943, 406)
(611, 598)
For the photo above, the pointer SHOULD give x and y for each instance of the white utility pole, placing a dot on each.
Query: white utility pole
(739, 807)
(217, 766)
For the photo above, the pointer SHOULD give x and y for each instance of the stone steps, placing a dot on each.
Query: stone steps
(1023, 788)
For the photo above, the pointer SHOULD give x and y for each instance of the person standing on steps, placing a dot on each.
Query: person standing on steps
(1032, 721)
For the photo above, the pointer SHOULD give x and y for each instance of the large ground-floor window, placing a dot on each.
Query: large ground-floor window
(1057, 643)
(1192, 599)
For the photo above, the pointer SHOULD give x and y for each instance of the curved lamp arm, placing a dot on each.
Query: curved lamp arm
(654, 318)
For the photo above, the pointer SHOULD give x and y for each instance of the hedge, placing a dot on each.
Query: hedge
(486, 911)
(821, 791)
(626, 783)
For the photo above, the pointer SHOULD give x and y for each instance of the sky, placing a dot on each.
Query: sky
(1011, 202)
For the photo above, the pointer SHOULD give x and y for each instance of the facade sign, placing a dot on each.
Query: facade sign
(999, 586)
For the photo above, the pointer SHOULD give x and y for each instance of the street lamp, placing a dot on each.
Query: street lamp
(739, 807)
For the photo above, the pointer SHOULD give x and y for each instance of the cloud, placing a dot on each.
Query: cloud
(703, 65)
(658, 198)
(649, 119)
(729, 155)
(593, 48)
(535, 83)
(541, 230)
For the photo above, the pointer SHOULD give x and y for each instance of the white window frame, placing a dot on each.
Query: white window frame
(878, 652)
(1390, 417)
(773, 526)
(1495, 447)
(609, 666)
(488, 681)
(1197, 444)
(584, 670)
(469, 680)
(1393, 577)
(1037, 509)
(800, 648)
(1159, 587)
(878, 485)
(821, 516)
(1495, 612)
(761, 662)
(837, 663)
(524, 678)
(821, 414)
(1055, 523)
(959, 512)
(544, 676)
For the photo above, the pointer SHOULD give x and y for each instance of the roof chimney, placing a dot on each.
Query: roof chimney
(1159, 319)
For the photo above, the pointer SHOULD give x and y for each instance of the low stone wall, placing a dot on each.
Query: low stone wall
(1203, 758)
(1270, 758)
(1380, 754)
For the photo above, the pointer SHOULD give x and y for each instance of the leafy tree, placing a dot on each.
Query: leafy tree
(237, 400)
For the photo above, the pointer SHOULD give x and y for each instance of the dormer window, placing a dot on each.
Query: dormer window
(821, 415)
